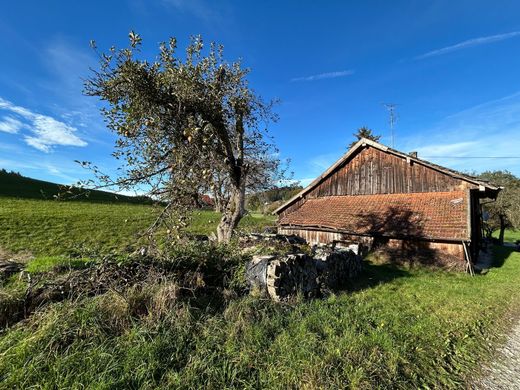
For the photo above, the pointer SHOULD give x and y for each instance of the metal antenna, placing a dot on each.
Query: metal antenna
(392, 118)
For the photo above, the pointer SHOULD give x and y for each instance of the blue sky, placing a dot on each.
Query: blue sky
(452, 68)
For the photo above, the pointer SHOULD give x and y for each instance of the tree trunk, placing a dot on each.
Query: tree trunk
(232, 214)
(502, 230)
(237, 185)
(219, 208)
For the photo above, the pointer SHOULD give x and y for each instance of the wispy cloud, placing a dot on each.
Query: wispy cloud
(33, 165)
(198, 8)
(45, 131)
(486, 130)
(321, 162)
(469, 43)
(68, 65)
(321, 76)
(10, 125)
(449, 149)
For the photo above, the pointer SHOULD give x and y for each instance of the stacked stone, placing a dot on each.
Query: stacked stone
(336, 266)
(292, 274)
(283, 277)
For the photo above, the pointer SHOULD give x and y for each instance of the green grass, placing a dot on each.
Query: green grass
(398, 328)
(47, 263)
(50, 228)
(395, 328)
(17, 186)
(509, 235)
(54, 228)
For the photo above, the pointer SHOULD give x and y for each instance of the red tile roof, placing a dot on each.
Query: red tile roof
(432, 215)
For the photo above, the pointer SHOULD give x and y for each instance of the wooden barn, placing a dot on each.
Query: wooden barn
(381, 197)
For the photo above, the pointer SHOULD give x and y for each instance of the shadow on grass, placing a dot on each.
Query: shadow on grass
(501, 254)
(376, 274)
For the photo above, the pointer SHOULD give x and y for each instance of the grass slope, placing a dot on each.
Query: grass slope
(46, 227)
(398, 328)
(15, 185)
(394, 328)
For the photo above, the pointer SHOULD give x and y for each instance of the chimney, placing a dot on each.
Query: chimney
(413, 154)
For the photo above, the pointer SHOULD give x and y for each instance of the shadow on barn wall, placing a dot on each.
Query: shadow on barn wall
(399, 239)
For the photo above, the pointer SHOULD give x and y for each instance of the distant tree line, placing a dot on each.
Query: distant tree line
(5, 172)
(504, 213)
(264, 201)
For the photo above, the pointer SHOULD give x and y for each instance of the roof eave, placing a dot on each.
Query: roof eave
(372, 234)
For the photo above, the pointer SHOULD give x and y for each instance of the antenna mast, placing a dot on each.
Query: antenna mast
(392, 118)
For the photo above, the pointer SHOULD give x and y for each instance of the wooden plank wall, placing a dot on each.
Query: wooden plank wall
(316, 236)
(442, 251)
(373, 171)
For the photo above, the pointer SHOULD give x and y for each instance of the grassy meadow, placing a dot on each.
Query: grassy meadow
(394, 327)
(509, 235)
(47, 227)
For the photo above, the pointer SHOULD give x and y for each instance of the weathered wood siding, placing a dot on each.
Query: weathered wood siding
(316, 236)
(375, 172)
(440, 253)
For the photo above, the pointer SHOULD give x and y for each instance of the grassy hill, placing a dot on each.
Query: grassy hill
(46, 227)
(13, 184)
(30, 220)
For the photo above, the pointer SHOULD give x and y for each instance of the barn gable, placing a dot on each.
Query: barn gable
(370, 168)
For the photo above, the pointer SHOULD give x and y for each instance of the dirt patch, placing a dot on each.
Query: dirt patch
(12, 263)
(19, 257)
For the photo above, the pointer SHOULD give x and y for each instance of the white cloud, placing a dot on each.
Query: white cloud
(465, 140)
(321, 76)
(68, 66)
(469, 43)
(46, 132)
(10, 125)
(7, 105)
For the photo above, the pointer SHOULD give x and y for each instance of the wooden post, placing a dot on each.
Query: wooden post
(469, 266)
